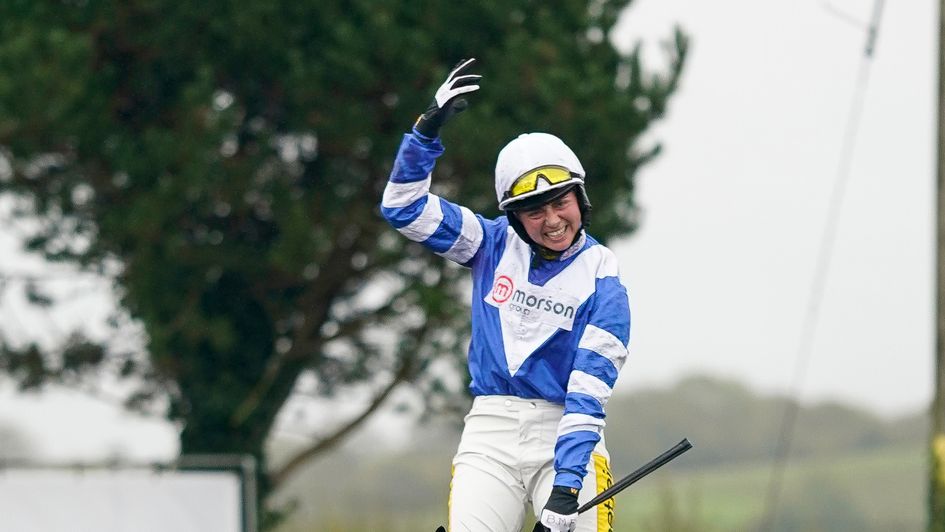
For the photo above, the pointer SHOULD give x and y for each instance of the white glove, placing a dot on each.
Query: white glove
(556, 522)
(446, 102)
(456, 84)
(560, 512)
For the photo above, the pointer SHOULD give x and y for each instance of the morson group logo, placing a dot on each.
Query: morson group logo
(502, 289)
(533, 303)
(529, 303)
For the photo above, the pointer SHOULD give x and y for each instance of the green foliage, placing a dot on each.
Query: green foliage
(841, 481)
(743, 426)
(864, 490)
(229, 158)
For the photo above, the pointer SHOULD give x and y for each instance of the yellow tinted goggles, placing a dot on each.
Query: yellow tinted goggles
(552, 175)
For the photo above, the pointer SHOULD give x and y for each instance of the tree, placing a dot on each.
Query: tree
(224, 161)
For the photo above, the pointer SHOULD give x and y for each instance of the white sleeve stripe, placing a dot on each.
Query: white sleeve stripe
(604, 344)
(588, 384)
(403, 194)
(469, 239)
(425, 224)
(578, 422)
(608, 264)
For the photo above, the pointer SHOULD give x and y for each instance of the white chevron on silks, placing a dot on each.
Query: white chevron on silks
(530, 314)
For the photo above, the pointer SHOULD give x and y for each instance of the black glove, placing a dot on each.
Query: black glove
(560, 512)
(445, 102)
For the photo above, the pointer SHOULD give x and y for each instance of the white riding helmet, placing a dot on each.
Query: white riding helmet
(545, 163)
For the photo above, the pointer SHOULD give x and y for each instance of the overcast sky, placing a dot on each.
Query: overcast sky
(720, 272)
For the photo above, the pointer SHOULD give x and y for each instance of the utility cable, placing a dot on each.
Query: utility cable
(819, 281)
(843, 15)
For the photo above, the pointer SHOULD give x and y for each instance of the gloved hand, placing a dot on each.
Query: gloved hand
(445, 102)
(560, 512)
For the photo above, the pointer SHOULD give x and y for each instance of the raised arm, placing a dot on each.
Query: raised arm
(446, 228)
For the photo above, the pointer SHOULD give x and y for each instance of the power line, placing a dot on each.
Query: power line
(843, 15)
(819, 281)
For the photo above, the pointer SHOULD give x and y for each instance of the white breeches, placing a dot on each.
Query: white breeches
(505, 461)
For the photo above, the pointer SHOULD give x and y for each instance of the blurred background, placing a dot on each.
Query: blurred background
(192, 261)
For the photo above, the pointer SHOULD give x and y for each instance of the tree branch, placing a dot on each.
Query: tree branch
(320, 297)
(403, 373)
(325, 291)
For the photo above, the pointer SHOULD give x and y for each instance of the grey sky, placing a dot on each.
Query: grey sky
(720, 273)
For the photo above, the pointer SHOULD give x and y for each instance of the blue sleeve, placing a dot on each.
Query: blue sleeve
(447, 229)
(602, 351)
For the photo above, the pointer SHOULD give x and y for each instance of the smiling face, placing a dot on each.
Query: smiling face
(554, 224)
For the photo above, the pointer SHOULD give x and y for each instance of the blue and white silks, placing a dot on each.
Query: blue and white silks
(554, 330)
